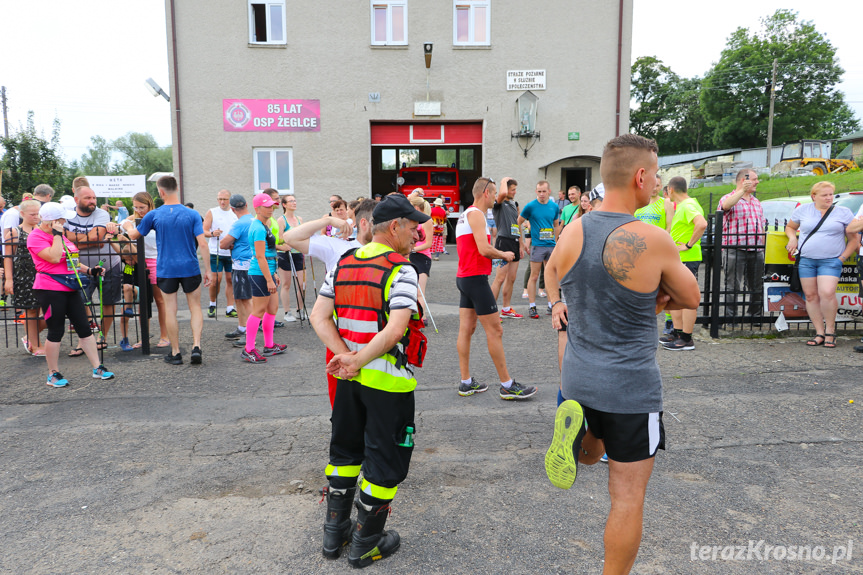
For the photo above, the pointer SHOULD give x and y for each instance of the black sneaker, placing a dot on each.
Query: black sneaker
(517, 391)
(667, 338)
(532, 313)
(277, 323)
(465, 389)
(239, 343)
(174, 359)
(236, 334)
(197, 356)
(211, 312)
(548, 310)
(679, 344)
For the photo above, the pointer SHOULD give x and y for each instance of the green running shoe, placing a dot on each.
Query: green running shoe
(561, 462)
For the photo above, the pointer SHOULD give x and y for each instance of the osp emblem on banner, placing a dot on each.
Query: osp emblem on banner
(238, 115)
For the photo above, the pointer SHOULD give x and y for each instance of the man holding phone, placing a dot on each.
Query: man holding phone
(743, 240)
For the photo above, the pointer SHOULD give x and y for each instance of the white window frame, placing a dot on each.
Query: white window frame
(273, 170)
(389, 6)
(268, 4)
(471, 5)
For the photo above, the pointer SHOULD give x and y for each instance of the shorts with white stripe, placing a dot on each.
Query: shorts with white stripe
(628, 437)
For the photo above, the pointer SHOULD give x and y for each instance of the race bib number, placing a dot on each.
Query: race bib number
(72, 262)
(546, 234)
(514, 230)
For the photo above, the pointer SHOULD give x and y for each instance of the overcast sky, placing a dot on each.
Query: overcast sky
(87, 61)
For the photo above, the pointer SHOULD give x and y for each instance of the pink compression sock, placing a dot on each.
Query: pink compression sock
(269, 323)
(252, 332)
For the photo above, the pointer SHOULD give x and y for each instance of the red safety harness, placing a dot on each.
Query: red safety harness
(359, 285)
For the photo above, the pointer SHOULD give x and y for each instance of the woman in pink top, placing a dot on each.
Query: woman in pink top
(421, 255)
(56, 261)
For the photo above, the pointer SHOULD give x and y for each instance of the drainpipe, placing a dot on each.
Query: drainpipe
(619, 66)
(175, 101)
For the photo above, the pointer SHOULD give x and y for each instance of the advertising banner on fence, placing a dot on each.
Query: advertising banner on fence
(117, 186)
(779, 297)
(271, 115)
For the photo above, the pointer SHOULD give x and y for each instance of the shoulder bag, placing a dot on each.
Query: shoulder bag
(794, 281)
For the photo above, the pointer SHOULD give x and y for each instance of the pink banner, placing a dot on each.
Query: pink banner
(271, 115)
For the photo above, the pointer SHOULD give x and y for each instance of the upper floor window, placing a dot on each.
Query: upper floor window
(267, 22)
(389, 22)
(274, 168)
(471, 23)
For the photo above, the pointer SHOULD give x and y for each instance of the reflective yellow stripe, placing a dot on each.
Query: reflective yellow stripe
(342, 471)
(378, 492)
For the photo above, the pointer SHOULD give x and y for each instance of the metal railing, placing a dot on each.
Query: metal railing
(732, 283)
(136, 310)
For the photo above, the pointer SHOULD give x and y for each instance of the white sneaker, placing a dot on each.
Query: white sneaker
(289, 318)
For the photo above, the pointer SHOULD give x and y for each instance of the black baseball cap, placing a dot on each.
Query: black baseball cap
(238, 201)
(397, 206)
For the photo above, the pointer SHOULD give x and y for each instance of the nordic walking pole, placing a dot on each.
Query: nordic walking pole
(83, 291)
(101, 319)
(298, 289)
(314, 281)
(427, 307)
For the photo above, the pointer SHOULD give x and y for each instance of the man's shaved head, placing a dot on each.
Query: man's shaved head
(624, 156)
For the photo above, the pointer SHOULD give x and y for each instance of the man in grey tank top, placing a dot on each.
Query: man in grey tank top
(618, 273)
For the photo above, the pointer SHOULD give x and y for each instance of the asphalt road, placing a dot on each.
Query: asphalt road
(216, 468)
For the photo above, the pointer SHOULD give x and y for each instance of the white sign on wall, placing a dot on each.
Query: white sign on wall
(117, 186)
(525, 80)
(426, 108)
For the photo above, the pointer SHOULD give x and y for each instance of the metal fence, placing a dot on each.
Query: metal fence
(128, 311)
(733, 277)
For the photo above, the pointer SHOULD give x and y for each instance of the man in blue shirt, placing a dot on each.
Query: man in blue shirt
(179, 231)
(544, 219)
(237, 240)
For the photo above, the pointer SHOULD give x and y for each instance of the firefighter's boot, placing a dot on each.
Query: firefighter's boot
(338, 526)
(370, 542)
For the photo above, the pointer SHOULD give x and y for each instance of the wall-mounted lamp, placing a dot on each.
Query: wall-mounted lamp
(427, 50)
(525, 110)
(156, 90)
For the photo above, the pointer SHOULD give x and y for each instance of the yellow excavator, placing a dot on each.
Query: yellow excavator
(811, 156)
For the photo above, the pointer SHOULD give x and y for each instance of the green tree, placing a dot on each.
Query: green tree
(29, 160)
(736, 91)
(97, 160)
(669, 109)
(142, 155)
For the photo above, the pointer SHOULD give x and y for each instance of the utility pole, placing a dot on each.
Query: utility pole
(5, 119)
(770, 117)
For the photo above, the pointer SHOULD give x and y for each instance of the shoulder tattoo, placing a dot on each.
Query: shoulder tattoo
(622, 248)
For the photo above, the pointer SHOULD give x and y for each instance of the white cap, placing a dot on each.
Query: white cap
(600, 190)
(51, 211)
(68, 203)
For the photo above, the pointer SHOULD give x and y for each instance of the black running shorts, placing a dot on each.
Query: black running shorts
(421, 262)
(628, 437)
(508, 245)
(172, 285)
(476, 294)
(242, 286)
(285, 263)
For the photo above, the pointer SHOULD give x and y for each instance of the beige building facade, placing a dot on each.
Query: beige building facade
(321, 98)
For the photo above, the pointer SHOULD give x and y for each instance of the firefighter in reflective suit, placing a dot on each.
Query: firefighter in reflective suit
(372, 295)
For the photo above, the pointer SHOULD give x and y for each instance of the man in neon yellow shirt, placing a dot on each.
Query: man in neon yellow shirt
(686, 228)
(660, 211)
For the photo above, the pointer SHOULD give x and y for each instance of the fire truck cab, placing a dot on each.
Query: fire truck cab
(436, 181)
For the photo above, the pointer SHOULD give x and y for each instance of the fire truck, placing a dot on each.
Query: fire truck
(436, 181)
